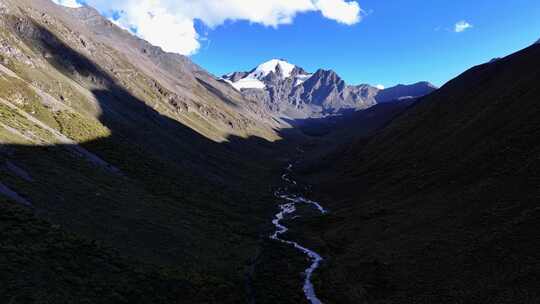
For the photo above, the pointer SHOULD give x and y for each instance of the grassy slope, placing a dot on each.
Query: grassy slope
(181, 201)
(442, 205)
(41, 263)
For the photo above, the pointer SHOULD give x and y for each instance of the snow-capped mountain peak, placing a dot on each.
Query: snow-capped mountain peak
(266, 68)
(256, 78)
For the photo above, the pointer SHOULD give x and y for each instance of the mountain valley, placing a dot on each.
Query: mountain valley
(132, 175)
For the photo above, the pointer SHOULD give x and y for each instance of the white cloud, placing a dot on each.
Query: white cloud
(170, 23)
(266, 12)
(345, 12)
(159, 26)
(380, 87)
(462, 26)
(68, 3)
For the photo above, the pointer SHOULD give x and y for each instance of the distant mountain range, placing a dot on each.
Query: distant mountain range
(289, 91)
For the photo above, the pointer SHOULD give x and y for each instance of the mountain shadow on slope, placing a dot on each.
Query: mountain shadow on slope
(442, 204)
(153, 189)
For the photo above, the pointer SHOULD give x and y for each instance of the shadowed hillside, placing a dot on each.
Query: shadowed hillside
(442, 204)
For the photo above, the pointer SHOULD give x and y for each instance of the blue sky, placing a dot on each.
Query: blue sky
(366, 41)
(397, 42)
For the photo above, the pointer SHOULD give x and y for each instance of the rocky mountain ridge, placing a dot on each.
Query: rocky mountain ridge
(289, 91)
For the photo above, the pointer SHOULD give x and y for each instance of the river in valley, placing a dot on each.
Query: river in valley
(288, 202)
